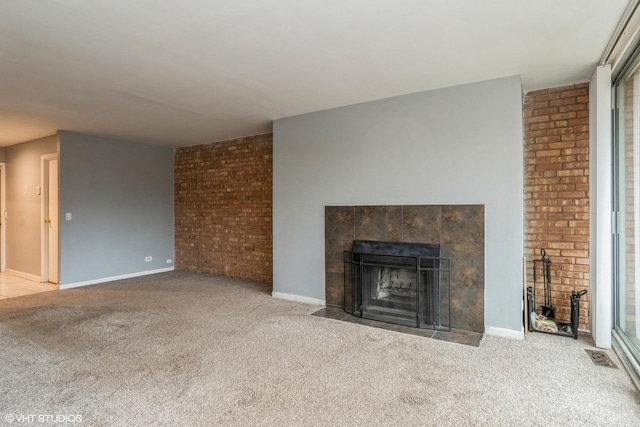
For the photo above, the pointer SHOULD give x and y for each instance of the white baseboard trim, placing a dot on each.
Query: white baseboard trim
(23, 275)
(504, 333)
(113, 278)
(298, 298)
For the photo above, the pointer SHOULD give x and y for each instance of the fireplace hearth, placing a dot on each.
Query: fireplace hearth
(402, 283)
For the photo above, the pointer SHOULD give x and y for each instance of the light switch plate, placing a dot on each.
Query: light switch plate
(68, 216)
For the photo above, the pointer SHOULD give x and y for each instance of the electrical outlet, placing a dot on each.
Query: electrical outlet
(169, 260)
(147, 259)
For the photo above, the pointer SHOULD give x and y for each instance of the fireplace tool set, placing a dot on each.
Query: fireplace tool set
(545, 321)
(548, 310)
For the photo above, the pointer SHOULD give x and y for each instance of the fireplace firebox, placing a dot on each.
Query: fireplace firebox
(402, 283)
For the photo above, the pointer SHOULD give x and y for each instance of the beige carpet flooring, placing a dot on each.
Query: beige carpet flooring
(196, 350)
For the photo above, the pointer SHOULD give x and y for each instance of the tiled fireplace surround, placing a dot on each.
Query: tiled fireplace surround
(458, 228)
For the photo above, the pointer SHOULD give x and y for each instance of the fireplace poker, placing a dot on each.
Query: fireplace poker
(548, 310)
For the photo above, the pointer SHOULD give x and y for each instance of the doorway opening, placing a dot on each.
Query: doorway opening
(3, 257)
(50, 218)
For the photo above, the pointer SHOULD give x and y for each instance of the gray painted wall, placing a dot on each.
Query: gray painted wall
(458, 145)
(120, 195)
(23, 231)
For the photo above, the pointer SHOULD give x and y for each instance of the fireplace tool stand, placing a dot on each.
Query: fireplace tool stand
(545, 321)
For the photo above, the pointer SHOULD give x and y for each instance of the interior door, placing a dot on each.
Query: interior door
(53, 220)
(1, 219)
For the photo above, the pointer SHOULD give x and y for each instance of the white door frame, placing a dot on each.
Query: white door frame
(44, 204)
(3, 219)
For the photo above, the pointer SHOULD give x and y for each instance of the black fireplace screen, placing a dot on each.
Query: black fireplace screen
(401, 283)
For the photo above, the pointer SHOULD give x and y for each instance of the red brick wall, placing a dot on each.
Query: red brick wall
(556, 149)
(223, 212)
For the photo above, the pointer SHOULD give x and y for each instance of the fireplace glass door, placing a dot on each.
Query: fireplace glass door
(390, 289)
(404, 290)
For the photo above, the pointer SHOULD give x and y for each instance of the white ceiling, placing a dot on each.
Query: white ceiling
(175, 73)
